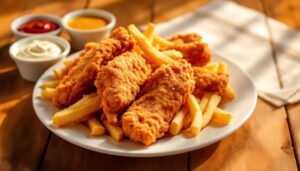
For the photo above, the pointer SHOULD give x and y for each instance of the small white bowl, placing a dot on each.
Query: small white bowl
(32, 69)
(80, 37)
(21, 20)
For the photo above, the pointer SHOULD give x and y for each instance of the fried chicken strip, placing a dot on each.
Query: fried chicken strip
(79, 79)
(209, 81)
(119, 82)
(164, 92)
(193, 49)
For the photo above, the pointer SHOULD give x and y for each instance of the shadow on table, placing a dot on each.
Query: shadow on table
(22, 136)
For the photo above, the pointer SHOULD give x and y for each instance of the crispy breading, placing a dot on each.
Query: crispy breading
(193, 49)
(79, 79)
(164, 92)
(119, 82)
(209, 81)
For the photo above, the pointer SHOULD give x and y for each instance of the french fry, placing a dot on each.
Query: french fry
(51, 84)
(196, 112)
(220, 118)
(74, 113)
(68, 62)
(47, 93)
(187, 120)
(229, 93)
(211, 107)
(177, 122)
(114, 131)
(222, 68)
(162, 41)
(204, 101)
(212, 67)
(95, 127)
(57, 74)
(151, 53)
(149, 32)
(174, 54)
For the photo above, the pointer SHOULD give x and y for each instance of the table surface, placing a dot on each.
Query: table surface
(269, 140)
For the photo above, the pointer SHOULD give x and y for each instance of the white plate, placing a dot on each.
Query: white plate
(242, 108)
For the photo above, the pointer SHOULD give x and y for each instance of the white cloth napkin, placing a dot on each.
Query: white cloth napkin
(241, 34)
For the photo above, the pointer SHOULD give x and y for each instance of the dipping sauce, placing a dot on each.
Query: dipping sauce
(39, 49)
(38, 26)
(87, 23)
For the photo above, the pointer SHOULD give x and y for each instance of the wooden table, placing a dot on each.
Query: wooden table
(270, 139)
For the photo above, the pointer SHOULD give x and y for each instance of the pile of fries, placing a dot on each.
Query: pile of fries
(192, 117)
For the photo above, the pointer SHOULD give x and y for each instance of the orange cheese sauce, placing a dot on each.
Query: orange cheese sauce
(87, 23)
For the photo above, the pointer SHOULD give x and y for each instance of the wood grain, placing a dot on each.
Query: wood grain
(165, 10)
(9, 11)
(126, 11)
(288, 12)
(72, 157)
(19, 130)
(22, 136)
(294, 120)
(259, 144)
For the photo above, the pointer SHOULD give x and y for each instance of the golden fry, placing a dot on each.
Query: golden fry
(196, 114)
(204, 101)
(177, 122)
(221, 118)
(149, 32)
(174, 54)
(222, 68)
(68, 62)
(95, 127)
(162, 41)
(151, 53)
(211, 107)
(81, 109)
(229, 93)
(57, 74)
(114, 131)
(47, 93)
(212, 67)
(51, 84)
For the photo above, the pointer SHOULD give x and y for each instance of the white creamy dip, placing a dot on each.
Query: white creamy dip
(39, 49)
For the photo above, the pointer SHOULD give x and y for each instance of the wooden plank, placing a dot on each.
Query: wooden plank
(165, 10)
(12, 127)
(126, 11)
(62, 155)
(259, 144)
(9, 10)
(294, 120)
(287, 11)
(22, 136)
(253, 146)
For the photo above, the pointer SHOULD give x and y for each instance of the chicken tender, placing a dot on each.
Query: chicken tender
(209, 81)
(119, 82)
(168, 87)
(79, 79)
(193, 49)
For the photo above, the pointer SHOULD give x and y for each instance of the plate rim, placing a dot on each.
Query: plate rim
(154, 154)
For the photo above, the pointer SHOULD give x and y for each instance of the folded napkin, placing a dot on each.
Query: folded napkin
(241, 34)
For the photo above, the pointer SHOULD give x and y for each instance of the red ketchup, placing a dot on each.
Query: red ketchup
(38, 26)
